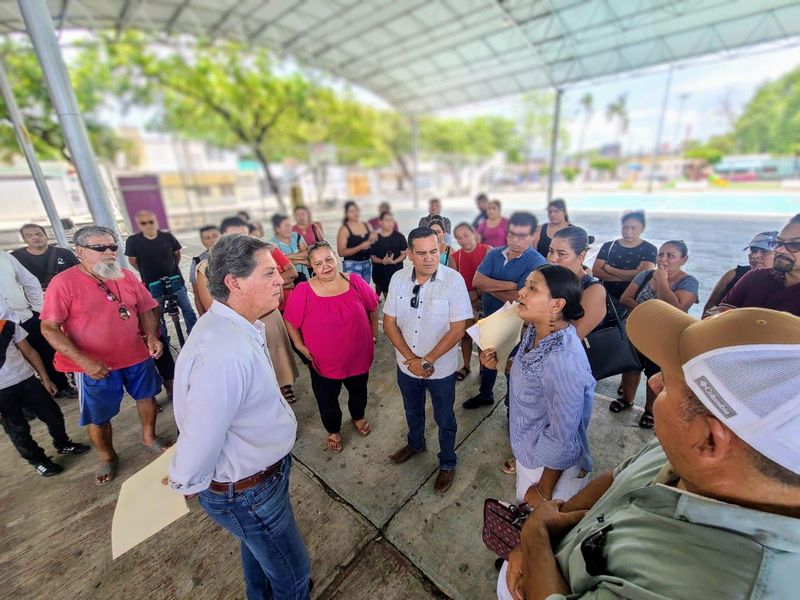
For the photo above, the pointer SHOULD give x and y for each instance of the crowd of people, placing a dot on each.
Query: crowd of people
(726, 426)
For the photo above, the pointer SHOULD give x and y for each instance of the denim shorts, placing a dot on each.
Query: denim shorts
(361, 267)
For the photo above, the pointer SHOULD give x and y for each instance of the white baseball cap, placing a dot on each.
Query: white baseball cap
(743, 365)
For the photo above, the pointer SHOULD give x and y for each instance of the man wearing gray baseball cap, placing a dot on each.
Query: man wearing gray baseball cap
(709, 510)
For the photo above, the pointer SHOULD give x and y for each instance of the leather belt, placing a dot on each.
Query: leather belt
(219, 487)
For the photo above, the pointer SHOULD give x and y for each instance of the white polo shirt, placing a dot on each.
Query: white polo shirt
(443, 300)
(15, 368)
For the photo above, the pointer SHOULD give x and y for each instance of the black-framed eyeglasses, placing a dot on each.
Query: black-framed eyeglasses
(147, 222)
(124, 312)
(100, 247)
(756, 249)
(790, 245)
(415, 296)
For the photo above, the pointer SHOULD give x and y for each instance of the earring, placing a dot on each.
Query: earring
(552, 323)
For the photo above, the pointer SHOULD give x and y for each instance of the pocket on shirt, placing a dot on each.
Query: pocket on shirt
(439, 309)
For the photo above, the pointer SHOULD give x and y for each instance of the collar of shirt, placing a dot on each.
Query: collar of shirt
(254, 330)
(504, 252)
(414, 276)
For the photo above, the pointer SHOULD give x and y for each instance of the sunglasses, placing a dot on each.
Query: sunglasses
(756, 250)
(123, 311)
(147, 222)
(791, 246)
(101, 247)
(415, 297)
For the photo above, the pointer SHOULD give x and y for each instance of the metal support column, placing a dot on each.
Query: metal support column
(40, 28)
(657, 150)
(415, 158)
(30, 155)
(554, 144)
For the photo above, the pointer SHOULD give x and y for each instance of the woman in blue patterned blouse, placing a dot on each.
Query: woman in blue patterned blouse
(552, 390)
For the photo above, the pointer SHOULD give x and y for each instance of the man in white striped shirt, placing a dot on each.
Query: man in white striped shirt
(236, 429)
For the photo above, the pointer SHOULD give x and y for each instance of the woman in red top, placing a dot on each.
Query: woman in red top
(493, 230)
(310, 231)
(333, 321)
(466, 261)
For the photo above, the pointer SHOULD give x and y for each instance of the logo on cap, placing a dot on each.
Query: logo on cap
(714, 397)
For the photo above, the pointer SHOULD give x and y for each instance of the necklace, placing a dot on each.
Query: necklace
(123, 311)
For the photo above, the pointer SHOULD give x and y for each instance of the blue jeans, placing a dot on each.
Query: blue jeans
(189, 316)
(274, 557)
(443, 396)
(360, 267)
(489, 377)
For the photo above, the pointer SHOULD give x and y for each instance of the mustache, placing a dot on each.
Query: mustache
(108, 270)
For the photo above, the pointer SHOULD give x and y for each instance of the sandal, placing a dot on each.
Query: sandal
(288, 394)
(510, 466)
(365, 429)
(462, 373)
(619, 392)
(334, 445)
(107, 470)
(646, 422)
(157, 446)
(617, 406)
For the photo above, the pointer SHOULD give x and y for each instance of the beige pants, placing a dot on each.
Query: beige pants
(280, 348)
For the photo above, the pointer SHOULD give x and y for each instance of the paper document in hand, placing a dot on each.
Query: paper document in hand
(501, 331)
(145, 506)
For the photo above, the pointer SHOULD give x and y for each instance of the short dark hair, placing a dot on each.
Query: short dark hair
(245, 215)
(691, 407)
(577, 238)
(347, 206)
(680, 245)
(233, 254)
(564, 284)
(559, 204)
(420, 233)
(481, 197)
(637, 215)
(436, 220)
(463, 224)
(205, 228)
(230, 222)
(277, 219)
(32, 226)
(522, 217)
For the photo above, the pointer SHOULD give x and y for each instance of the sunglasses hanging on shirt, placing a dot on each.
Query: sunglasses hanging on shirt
(124, 312)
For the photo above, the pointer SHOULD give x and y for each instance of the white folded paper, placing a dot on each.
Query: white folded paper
(145, 506)
(500, 330)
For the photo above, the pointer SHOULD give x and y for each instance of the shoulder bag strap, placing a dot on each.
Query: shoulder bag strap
(51, 266)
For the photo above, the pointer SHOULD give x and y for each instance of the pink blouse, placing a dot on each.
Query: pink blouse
(493, 236)
(336, 329)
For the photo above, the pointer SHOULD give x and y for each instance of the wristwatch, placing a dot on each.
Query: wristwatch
(426, 364)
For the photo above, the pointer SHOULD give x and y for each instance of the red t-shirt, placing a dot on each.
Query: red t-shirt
(92, 321)
(467, 263)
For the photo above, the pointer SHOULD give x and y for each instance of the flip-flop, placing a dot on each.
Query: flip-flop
(365, 428)
(647, 421)
(335, 446)
(109, 468)
(617, 406)
(157, 446)
(509, 467)
(288, 394)
(462, 373)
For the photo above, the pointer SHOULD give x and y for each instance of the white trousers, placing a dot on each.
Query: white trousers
(569, 484)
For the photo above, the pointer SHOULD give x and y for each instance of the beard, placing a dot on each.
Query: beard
(783, 263)
(108, 270)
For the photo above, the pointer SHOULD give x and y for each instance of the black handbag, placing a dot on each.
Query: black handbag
(609, 350)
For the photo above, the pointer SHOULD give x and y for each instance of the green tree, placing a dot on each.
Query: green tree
(536, 125)
(224, 93)
(91, 81)
(770, 121)
(618, 110)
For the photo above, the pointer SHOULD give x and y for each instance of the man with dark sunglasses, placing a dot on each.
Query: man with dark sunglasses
(777, 288)
(94, 315)
(425, 316)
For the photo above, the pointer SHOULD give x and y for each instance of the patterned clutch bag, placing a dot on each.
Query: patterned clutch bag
(502, 524)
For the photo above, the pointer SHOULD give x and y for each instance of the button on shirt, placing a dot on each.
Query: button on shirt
(443, 299)
(497, 266)
(20, 290)
(233, 419)
(668, 543)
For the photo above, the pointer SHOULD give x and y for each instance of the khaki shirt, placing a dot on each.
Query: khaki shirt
(668, 543)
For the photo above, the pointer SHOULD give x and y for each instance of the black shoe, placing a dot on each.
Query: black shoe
(28, 414)
(477, 402)
(68, 393)
(47, 468)
(72, 448)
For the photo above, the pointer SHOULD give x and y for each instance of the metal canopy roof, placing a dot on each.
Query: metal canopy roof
(423, 55)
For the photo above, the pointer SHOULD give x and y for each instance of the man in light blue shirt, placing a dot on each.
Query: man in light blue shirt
(236, 429)
(425, 317)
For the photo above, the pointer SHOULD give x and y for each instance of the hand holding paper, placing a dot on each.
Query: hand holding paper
(500, 330)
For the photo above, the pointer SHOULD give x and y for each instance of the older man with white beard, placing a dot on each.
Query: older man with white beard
(93, 316)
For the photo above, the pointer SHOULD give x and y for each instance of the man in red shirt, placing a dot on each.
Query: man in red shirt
(777, 288)
(103, 324)
(466, 262)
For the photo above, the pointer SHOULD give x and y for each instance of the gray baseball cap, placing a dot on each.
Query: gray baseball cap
(763, 241)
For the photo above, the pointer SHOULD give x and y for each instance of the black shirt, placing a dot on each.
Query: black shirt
(620, 257)
(394, 244)
(156, 257)
(45, 266)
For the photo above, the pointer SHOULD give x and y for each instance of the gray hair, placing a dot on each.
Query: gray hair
(83, 234)
(232, 254)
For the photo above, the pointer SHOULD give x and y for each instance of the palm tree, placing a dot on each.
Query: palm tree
(618, 110)
(586, 102)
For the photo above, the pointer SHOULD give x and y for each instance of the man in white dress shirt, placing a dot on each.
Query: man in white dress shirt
(236, 429)
(425, 317)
